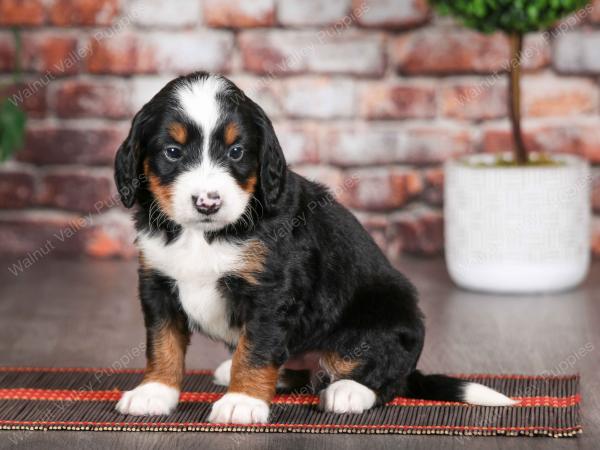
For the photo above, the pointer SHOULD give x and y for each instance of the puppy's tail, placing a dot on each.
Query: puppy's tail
(443, 388)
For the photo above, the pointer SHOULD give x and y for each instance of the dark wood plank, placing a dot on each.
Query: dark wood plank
(82, 313)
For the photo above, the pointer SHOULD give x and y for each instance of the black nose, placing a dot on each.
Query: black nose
(207, 203)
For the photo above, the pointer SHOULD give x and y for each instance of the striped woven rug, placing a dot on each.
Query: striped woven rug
(84, 399)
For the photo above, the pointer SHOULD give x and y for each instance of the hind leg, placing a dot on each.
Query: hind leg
(370, 370)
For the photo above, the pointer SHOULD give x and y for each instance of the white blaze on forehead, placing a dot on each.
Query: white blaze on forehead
(198, 101)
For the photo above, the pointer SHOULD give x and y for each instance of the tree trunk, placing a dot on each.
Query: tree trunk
(514, 100)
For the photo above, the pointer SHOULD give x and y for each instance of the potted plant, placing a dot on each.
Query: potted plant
(12, 118)
(518, 222)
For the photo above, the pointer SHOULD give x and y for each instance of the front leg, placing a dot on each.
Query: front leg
(251, 387)
(167, 337)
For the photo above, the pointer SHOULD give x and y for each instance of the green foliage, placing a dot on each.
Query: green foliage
(510, 16)
(12, 129)
(12, 118)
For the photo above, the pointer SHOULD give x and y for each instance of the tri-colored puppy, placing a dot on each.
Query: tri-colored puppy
(214, 200)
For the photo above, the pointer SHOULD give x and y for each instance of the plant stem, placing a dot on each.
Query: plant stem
(514, 98)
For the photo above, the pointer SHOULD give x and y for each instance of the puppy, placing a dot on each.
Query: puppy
(235, 245)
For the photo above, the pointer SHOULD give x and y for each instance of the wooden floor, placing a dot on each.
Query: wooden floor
(78, 313)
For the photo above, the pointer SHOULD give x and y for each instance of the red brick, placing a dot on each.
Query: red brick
(383, 189)
(267, 92)
(298, 141)
(596, 236)
(319, 98)
(111, 236)
(378, 144)
(537, 52)
(333, 178)
(105, 99)
(17, 186)
(419, 231)
(7, 51)
(281, 52)
(596, 189)
(83, 12)
(440, 51)
(595, 11)
(391, 13)
(475, 98)
(128, 53)
(378, 226)
(313, 12)
(144, 88)
(125, 53)
(22, 12)
(239, 13)
(577, 52)
(29, 96)
(546, 95)
(581, 137)
(33, 235)
(397, 100)
(80, 190)
(434, 186)
(51, 53)
(161, 13)
(95, 145)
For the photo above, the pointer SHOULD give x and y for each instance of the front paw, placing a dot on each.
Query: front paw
(149, 399)
(239, 408)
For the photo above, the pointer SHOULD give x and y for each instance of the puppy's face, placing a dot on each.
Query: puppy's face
(199, 144)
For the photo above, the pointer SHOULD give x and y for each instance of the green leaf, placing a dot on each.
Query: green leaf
(12, 129)
(510, 16)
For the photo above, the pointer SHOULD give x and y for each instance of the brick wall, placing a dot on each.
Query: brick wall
(368, 96)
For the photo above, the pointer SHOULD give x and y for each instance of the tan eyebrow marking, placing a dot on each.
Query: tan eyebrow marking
(178, 132)
(231, 133)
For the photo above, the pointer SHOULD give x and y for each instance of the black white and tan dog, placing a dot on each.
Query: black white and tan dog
(212, 192)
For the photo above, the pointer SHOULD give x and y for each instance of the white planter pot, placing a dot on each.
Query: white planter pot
(517, 229)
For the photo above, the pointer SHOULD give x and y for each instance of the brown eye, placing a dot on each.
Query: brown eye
(236, 152)
(173, 153)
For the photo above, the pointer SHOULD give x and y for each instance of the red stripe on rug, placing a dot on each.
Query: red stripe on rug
(209, 397)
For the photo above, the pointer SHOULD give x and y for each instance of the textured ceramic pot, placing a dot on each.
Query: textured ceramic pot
(517, 229)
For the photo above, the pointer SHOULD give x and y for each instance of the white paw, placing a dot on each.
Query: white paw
(223, 373)
(239, 408)
(346, 396)
(149, 399)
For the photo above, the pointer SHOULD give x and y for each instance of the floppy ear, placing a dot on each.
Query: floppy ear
(127, 162)
(273, 167)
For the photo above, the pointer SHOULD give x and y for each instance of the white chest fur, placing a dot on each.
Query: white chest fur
(196, 266)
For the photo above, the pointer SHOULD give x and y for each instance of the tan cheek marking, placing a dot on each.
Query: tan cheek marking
(162, 194)
(258, 382)
(178, 132)
(338, 366)
(250, 185)
(231, 133)
(166, 361)
(143, 263)
(253, 263)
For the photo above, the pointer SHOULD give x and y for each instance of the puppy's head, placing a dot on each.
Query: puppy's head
(201, 151)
